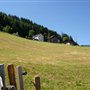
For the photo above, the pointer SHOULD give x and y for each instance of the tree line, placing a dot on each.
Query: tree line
(27, 28)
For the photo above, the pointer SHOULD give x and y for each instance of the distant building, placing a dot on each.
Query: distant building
(54, 39)
(71, 43)
(38, 37)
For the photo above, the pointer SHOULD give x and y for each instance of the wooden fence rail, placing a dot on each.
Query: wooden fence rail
(12, 78)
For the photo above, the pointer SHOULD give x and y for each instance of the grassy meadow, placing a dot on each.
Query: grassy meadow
(61, 67)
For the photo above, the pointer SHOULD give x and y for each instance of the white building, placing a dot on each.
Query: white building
(38, 37)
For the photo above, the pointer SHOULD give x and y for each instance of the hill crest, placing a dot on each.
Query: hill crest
(26, 28)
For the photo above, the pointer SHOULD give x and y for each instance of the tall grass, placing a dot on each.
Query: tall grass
(60, 67)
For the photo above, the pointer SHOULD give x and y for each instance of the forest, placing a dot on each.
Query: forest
(27, 29)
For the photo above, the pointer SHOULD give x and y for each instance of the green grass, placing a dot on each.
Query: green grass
(60, 67)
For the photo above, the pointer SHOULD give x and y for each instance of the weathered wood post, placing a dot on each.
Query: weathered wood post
(36, 82)
(2, 75)
(11, 74)
(20, 78)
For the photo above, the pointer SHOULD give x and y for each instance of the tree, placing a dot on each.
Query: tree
(26, 28)
(60, 38)
(31, 33)
(72, 40)
(65, 38)
(1, 27)
(8, 29)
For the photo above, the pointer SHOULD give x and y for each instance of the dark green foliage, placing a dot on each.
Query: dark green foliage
(59, 37)
(1, 27)
(8, 29)
(65, 38)
(31, 33)
(26, 28)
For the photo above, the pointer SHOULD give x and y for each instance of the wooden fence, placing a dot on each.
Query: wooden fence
(12, 78)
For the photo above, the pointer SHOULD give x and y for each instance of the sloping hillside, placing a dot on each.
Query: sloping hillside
(26, 28)
(61, 67)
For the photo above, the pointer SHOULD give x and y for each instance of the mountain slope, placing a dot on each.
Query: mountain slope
(60, 67)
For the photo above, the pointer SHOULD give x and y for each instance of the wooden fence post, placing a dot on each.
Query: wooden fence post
(20, 78)
(11, 74)
(2, 75)
(37, 82)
